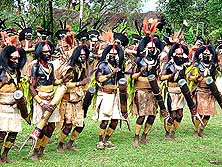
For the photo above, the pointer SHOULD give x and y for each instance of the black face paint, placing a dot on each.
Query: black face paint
(45, 57)
(206, 59)
(13, 61)
(178, 60)
(112, 61)
(82, 58)
(28, 36)
(152, 55)
(13, 65)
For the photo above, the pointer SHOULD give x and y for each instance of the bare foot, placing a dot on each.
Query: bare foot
(71, 148)
(7, 160)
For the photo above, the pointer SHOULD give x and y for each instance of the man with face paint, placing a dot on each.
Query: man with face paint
(42, 83)
(108, 73)
(94, 47)
(206, 91)
(219, 79)
(65, 47)
(172, 72)
(71, 105)
(25, 38)
(145, 99)
(12, 60)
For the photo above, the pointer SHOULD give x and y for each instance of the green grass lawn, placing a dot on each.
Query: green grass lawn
(183, 151)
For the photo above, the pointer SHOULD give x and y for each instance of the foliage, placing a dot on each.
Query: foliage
(95, 13)
(197, 13)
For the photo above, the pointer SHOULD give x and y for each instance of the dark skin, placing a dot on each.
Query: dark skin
(32, 88)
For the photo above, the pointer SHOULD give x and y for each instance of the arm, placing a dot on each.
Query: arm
(137, 74)
(100, 77)
(163, 75)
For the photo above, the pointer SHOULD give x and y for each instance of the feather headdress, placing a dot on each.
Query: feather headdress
(107, 37)
(149, 26)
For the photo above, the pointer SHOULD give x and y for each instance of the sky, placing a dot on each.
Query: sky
(149, 6)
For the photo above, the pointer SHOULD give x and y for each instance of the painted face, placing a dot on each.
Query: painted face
(112, 55)
(151, 47)
(14, 60)
(179, 57)
(28, 36)
(65, 46)
(82, 56)
(46, 55)
(93, 45)
(206, 57)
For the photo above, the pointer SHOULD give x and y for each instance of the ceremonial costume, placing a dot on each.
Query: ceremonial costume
(204, 75)
(177, 90)
(72, 102)
(94, 48)
(12, 60)
(107, 75)
(147, 94)
(42, 83)
(25, 38)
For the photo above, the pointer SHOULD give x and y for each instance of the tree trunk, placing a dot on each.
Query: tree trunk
(19, 6)
(51, 17)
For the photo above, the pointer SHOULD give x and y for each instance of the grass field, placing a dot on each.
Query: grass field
(183, 151)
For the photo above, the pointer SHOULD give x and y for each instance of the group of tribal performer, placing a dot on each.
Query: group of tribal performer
(189, 77)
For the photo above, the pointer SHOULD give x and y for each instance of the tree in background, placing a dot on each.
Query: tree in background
(96, 13)
(204, 16)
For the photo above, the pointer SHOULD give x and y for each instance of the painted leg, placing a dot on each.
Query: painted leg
(65, 132)
(101, 131)
(139, 123)
(74, 136)
(148, 126)
(8, 145)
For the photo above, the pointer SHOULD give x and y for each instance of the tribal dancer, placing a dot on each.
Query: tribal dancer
(12, 61)
(203, 74)
(147, 93)
(177, 89)
(42, 83)
(108, 73)
(72, 102)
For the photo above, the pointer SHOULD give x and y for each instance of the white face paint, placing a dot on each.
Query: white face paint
(14, 60)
